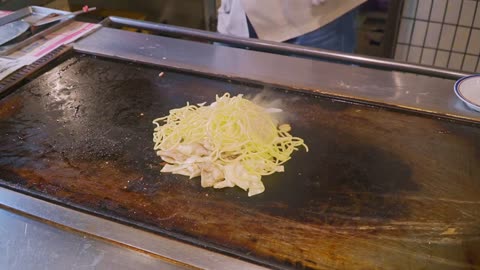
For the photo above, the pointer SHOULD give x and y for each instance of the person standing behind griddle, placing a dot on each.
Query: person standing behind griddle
(326, 24)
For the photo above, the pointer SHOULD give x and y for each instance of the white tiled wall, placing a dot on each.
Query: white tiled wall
(474, 44)
(438, 10)
(468, 13)
(453, 11)
(423, 9)
(477, 18)
(428, 57)
(419, 32)
(441, 33)
(433, 34)
(446, 37)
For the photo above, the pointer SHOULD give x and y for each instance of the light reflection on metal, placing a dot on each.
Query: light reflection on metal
(282, 48)
(131, 239)
(385, 88)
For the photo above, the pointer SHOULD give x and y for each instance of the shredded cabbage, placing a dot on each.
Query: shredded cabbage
(231, 142)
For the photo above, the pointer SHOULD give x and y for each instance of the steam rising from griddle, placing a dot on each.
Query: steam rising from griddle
(268, 98)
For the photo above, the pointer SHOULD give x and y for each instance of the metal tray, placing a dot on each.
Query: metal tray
(31, 14)
(379, 189)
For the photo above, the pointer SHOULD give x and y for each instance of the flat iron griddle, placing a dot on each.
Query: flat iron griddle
(378, 189)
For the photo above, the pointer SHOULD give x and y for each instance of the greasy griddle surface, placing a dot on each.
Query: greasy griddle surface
(378, 189)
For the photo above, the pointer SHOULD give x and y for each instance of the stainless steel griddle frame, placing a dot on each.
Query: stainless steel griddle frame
(283, 48)
(381, 82)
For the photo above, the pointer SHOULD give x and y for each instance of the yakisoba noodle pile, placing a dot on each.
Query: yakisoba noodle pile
(231, 142)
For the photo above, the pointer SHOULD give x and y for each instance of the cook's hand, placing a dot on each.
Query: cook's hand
(318, 2)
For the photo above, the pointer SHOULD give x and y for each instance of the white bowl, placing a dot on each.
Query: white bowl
(468, 90)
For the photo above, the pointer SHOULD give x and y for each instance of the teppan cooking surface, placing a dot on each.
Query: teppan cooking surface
(379, 189)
